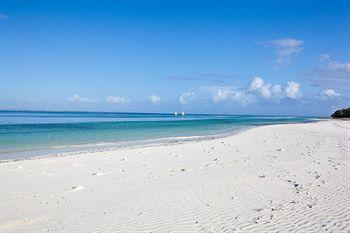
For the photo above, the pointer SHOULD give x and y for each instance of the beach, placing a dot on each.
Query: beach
(290, 177)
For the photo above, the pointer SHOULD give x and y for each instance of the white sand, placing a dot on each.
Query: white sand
(273, 178)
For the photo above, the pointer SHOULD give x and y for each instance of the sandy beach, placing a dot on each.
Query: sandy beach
(293, 177)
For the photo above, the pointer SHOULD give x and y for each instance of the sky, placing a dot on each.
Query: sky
(229, 57)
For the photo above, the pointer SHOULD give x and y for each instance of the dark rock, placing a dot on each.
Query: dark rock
(342, 113)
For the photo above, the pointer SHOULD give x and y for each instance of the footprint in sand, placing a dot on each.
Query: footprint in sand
(100, 173)
(77, 188)
(174, 154)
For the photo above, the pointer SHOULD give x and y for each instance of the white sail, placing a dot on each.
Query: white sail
(175, 113)
(183, 113)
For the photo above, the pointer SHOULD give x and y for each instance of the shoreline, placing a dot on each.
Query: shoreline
(132, 145)
(290, 177)
(111, 146)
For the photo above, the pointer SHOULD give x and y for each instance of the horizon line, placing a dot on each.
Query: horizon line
(169, 113)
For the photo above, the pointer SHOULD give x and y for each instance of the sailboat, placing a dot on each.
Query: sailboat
(175, 113)
(183, 113)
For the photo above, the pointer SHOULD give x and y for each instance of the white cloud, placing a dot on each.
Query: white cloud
(256, 91)
(330, 72)
(78, 99)
(286, 49)
(266, 91)
(154, 99)
(117, 100)
(292, 90)
(330, 93)
(256, 83)
(228, 93)
(328, 63)
(222, 94)
(187, 97)
(276, 90)
(242, 98)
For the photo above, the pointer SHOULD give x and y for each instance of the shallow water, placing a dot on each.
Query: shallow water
(29, 133)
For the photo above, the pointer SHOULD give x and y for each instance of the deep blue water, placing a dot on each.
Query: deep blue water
(27, 133)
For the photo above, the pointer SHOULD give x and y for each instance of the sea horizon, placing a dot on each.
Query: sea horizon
(161, 112)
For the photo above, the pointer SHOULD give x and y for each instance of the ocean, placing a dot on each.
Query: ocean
(34, 133)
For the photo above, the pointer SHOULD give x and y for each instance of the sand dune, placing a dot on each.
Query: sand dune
(273, 178)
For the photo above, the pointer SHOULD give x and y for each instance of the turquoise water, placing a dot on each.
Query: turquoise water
(29, 133)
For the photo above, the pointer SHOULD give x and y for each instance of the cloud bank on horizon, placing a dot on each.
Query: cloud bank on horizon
(233, 60)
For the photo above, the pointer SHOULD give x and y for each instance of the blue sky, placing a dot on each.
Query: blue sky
(238, 57)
